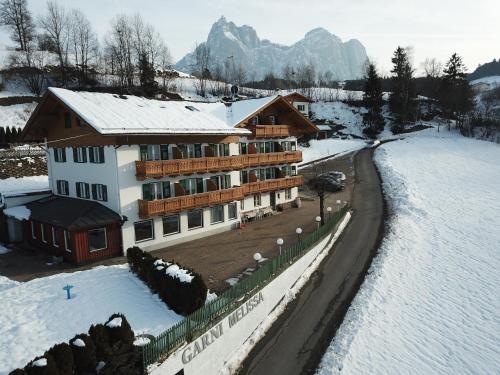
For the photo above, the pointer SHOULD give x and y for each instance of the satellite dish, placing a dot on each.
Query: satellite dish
(234, 89)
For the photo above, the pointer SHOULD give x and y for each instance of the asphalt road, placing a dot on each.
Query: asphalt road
(297, 341)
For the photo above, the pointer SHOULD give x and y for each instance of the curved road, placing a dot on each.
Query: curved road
(297, 341)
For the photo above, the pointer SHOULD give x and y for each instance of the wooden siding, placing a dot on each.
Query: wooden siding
(162, 168)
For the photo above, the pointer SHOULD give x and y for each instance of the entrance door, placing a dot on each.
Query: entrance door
(273, 200)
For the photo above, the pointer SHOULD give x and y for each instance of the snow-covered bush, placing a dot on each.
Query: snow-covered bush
(100, 336)
(183, 290)
(83, 349)
(63, 357)
(44, 365)
(119, 330)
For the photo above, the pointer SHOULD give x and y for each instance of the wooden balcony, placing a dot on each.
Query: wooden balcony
(148, 209)
(188, 202)
(270, 131)
(176, 167)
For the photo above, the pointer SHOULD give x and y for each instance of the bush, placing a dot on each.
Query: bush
(17, 371)
(84, 355)
(119, 330)
(63, 357)
(100, 336)
(49, 369)
(182, 297)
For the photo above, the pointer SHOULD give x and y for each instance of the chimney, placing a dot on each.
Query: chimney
(229, 113)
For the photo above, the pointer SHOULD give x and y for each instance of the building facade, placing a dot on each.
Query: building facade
(172, 171)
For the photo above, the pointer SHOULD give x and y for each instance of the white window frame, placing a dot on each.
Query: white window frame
(84, 188)
(235, 211)
(288, 193)
(219, 206)
(42, 233)
(178, 225)
(301, 107)
(66, 244)
(257, 198)
(99, 192)
(33, 231)
(152, 231)
(58, 154)
(105, 239)
(62, 187)
(202, 219)
(96, 155)
(79, 155)
(54, 237)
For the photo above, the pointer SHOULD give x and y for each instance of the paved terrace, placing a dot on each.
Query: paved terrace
(218, 257)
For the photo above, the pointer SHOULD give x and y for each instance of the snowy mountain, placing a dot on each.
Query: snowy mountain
(324, 50)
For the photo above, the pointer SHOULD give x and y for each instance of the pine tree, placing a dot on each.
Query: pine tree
(456, 95)
(401, 100)
(147, 76)
(372, 97)
(2, 135)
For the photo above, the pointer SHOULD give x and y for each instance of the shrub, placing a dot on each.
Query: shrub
(182, 297)
(100, 336)
(119, 330)
(63, 357)
(49, 368)
(84, 354)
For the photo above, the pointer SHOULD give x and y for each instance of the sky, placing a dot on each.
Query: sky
(433, 28)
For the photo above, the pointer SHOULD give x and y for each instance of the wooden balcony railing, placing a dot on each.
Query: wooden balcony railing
(270, 131)
(176, 167)
(148, 209)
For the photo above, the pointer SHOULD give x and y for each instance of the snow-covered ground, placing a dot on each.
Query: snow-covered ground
(36, 315)
(490, 80)
(16, 115)
(431, 301)
(325, 147)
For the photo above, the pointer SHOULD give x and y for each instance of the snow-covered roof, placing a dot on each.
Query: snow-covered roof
(235, 112)
(324, 127)
(113, 114)
(12, 187)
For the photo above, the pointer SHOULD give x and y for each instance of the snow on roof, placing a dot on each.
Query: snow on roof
(18, 212)
(324, 127)
(114, 114)
(11, 186)
(235, 112)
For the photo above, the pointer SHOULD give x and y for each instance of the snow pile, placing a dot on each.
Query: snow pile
(16, 186)
(115, 322)
(79, 342)
(431, 300)
(6, 283)
(16, 115)
(18, 212)
(174, 270)
(327, 147)
(36, 315)
(4, 250)
(42, 362)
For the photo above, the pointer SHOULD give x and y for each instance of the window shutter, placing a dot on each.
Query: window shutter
(66, 187)
(63, 154)
(75, 155)
(164, 152)
(58, 187)
(78, 190)
(84, 154)
(101, 155)
(87, 191)
(104, 193)
(94, 191)
(91, 155)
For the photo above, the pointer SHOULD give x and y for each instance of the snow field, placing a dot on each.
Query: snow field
(36, 315)
(430, 302)
(325, 147)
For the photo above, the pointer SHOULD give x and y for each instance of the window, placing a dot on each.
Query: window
(171, 224)
(272, 120)
(156, 190)
(83, 190)
(80, 154)
(243, 148)
(195, 219)
(60, 155)
(232, 210)
(99, 192)
(62, 187)
(293, 146)
(67, 120)
(192, 185)
(33, 230)
(244, 177)
(294, 170)
(301, 107)
(67, 241)
(222, 181)
(287, 171)
(216, 214)
(153, 152)
(288, 194)
(257, 200)
(55, 237)
(190, 151)
(220, 149)
(144, 230)
(97, 239)
(254, 120)
(42, 233)
(96, 155)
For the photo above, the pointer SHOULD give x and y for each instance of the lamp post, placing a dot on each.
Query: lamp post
(329, 210)
(318, 221)
(339, 202)
(279, 242)
(257, 257)
(299, 232)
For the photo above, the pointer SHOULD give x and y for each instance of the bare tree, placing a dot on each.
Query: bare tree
(203, 62)
(55, 24)
(119, 49)
(30, 66)
(164, 67)
(15, 15)
(84, 44)
(432, 68)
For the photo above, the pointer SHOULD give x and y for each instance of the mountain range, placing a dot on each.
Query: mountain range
(319, 47)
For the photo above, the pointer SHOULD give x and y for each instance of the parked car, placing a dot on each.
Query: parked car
(339, 176)
(325, 183)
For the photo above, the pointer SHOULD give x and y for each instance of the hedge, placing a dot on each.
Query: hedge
(181, 297)
(107, 349)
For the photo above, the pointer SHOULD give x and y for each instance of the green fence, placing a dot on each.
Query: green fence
(207, 316)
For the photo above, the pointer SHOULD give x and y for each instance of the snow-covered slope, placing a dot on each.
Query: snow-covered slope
(16, 115)
(326, 147)
(36, 315)
(259, 57)
(491, 80)
(340, 113)
(431, 301)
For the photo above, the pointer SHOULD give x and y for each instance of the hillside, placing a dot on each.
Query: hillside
(485, 70)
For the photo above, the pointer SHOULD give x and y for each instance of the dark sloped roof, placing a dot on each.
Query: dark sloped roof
(71, 213)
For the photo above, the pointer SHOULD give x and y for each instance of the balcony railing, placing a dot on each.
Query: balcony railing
(176, 167)
(270, 131)
(148, 209)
